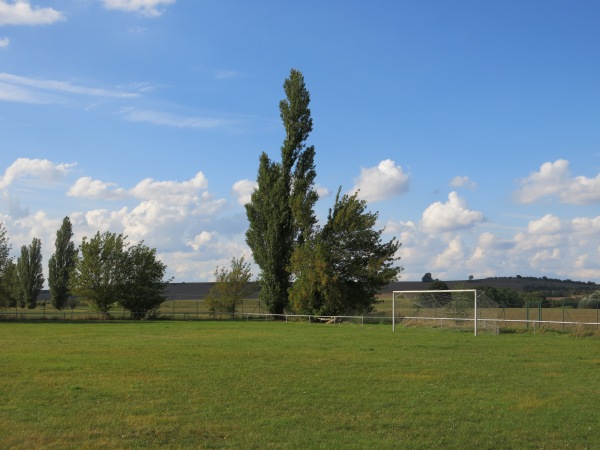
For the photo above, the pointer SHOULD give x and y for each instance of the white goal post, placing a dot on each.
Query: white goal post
(454, 304)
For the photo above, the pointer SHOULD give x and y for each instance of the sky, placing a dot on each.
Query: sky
(470, 127)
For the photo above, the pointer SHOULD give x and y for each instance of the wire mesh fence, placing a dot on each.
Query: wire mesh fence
(532, 316)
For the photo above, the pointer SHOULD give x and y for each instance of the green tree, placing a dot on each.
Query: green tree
(440, 298)
(231, 287)
(590, 301)
(5, 263)
(280, 212)
(9, 287)
(346, 264)
(99, 271)
(427, 278)
(143, 282)
(29, 274)
(61, 265)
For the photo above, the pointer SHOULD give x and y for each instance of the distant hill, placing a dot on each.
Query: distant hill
(548, 286)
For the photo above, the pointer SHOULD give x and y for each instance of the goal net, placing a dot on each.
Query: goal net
(456, 308)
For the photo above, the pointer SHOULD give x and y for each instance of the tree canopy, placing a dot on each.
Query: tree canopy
(143, 282)
(345, 264)
(61, 264)
(99, 271)
(231, 287)
(280, 212)
(30, 278)
(110, 272)
(5, 264)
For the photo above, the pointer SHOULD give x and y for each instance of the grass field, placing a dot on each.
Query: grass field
(293, 385)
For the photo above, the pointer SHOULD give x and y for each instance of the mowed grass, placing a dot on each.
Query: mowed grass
(293, 385)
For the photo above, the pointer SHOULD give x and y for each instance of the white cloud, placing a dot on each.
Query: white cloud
(20, 12)
(582, 191)
(554, 179)
(160, 118)
(452, 215)
(4, 42)
(200, 240)
(41, 169)
(85, 187)
(149, 8)
(322, 191)
(171, 191)
(11, 93)
(547, 224)
(62, 86)
(243, 190)
(463, 182)
(382, 182)
(549, 180)
(16, 88)
(586, 225)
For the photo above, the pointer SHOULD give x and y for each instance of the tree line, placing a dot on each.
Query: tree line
(104, 270)
(334, 269)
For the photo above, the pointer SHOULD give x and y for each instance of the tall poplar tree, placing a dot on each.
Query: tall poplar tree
(29, 273)
(61, 264)
(6, 264)
(280, 212)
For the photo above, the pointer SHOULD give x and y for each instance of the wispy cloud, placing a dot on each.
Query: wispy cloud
(169, 120)
(62, 86)
(148, 8)
(20, 12)
(225, 74)
(4, 42)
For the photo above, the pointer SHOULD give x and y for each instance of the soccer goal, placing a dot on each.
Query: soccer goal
(459, 308)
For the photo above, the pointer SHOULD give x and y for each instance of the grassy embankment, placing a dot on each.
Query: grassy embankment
(294, 385)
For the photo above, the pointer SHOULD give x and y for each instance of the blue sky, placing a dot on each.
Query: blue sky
(471, 127)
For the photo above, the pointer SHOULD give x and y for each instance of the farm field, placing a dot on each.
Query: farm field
(223, 384)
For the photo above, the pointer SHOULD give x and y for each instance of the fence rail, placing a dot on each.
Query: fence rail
(407, 320)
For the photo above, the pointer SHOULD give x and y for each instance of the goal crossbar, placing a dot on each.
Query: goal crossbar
(435, 291)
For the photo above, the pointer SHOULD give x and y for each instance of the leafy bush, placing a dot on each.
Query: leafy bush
(592, 301)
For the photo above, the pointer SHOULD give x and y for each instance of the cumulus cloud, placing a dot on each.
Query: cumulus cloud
(4, 42)
(149, 8)
(463, 182)
(554, 179)
(452, 215)
(167, 193)
(20, 12)
(453, 254)
(85, 187)
(547, 224)
(40, 169)
(200, 240)
(384, 181)
(242, 190)
(171, 191)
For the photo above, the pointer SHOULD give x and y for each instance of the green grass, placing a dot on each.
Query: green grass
(295, 385)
